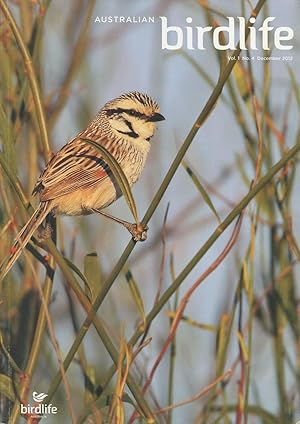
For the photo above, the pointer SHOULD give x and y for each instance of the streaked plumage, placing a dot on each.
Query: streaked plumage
(77, 180)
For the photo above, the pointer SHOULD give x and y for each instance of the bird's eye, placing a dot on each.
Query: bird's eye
(111, 112)
(133, 112)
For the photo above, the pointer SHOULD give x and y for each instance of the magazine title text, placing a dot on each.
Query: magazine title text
(193, 37)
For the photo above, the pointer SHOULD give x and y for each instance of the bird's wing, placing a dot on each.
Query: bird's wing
(76, 166)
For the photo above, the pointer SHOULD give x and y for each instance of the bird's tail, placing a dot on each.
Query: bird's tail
(24, 236)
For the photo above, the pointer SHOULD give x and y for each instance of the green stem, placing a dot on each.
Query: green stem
(262, 414)
(47, 152)
(31, 77)
(77, 57)
(172, 365)
(216, 234)
(35, 349)
(209, 243)
(135, 390)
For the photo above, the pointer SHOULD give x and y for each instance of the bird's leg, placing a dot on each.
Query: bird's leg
(138, 232)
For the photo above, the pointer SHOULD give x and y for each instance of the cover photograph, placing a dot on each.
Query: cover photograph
(149, 212)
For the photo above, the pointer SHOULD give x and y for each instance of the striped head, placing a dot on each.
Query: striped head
(133, 116)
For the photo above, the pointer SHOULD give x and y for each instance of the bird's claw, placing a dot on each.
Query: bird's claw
(138, 231)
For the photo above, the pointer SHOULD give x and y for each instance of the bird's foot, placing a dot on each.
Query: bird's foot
(138, 231)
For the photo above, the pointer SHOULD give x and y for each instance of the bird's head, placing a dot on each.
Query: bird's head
(133, 115)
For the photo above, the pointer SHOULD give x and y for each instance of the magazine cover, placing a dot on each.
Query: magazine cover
(149, 211)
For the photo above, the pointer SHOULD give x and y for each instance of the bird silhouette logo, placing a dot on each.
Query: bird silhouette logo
(39, 397)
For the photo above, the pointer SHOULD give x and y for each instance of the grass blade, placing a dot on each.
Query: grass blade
(6, 387)
(138, 300)
(119, 175)
(202, 190)
(93, 274)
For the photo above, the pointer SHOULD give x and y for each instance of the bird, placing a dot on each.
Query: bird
(78, 181)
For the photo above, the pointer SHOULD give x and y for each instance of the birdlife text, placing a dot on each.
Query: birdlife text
(196, 37)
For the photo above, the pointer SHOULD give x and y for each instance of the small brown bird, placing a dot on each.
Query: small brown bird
(78, 181)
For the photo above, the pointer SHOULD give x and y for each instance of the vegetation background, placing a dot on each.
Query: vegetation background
(201, 322)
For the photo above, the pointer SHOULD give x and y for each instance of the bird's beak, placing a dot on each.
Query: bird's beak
(156, 117)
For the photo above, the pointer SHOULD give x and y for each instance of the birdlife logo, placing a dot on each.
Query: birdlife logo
(39, 397)
(196, 37)
(40, 410)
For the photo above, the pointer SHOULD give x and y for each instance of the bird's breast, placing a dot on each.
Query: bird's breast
(133, 164)
(131, 156)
